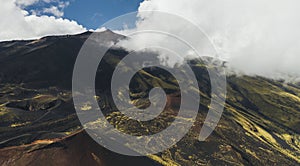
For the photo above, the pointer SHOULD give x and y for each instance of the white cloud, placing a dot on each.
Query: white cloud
(25, 2)
(56, 8)
(17, 23)
(63, 4)
(257, 37)
(54, 11)
(48, 1)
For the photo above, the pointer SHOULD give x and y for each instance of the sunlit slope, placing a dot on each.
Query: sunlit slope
(260, 123)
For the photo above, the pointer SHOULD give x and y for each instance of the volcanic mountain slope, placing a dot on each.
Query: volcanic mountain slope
(260, 124)
(76, 149)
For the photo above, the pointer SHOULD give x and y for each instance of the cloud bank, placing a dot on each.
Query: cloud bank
(259, 37)
(16, 23)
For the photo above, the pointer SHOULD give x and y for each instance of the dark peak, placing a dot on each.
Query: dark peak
(83, 35)
(55, 37)
(108, 31)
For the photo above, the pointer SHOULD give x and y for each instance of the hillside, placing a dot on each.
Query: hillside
(260, 124)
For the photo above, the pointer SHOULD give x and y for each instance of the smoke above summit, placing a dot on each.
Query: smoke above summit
(258, 37)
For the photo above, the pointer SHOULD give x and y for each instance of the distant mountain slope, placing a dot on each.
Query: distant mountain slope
(47, 62)
(260, 124)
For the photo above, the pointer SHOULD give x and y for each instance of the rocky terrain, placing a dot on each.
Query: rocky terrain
(38, 124)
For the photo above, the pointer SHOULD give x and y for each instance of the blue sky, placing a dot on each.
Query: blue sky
(89, 13)
(93, 13)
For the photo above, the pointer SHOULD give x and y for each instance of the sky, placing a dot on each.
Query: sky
(31, 19)
(93, 13)
(89, 13)
(255, 37)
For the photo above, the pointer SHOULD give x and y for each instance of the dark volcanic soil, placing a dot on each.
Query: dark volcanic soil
(77, 149)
